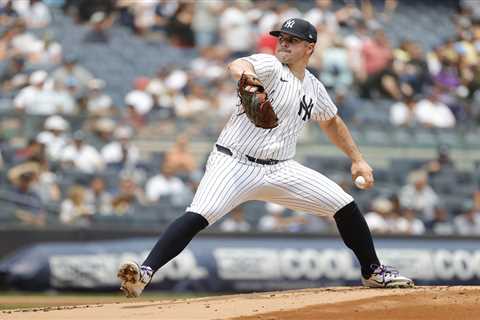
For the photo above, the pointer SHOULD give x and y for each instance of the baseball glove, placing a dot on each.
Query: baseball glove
(256, 104)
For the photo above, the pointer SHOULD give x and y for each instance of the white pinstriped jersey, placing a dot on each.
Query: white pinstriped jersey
(295, 102)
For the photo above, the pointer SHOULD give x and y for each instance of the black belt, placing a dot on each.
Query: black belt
(229, 152)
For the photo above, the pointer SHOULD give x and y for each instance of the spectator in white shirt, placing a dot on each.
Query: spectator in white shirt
(166, 184)
(432, 113)
(468, 223)
(418, 194)
(98, 103)
(54, 136)
(27, 98)
(121, 151)
(235, 222)
(409, 223)
(81, 155)
(35, 13)
(403, 113)
(378, 218)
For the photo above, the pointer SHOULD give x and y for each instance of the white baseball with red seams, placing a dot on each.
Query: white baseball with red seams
(232, 179)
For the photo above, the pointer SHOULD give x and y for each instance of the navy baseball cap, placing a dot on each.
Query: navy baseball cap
(298, 28)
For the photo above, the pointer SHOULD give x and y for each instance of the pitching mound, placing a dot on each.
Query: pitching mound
(327, 303)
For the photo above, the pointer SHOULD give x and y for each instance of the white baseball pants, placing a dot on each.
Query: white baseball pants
(230, 181)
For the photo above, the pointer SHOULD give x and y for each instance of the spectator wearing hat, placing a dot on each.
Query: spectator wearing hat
(73, 74)
(121, 152)
(82, 156)
(28, 204)
(379, 217)
(99, 25)
(103, 129)
(98, 103)
(27, 99)
(419, 195)
(54, 136)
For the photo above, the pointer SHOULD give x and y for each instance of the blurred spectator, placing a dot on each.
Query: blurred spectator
(13, 76)
(179, 158)
(322, 14)
(431, 112)
(441, 223)
(139, 99)
(46, 185)
(235, 25)
(74, 210)
(128, 197)
(31, 98)
(408, 223)
(81, 156)
(102, 129)
(404, 113)
(29, 206)
(59, 97)
(35, 13)
(98, 198)
(179, 27)
(205, 22)
(8, 14)
(121, 152)
(99, 24)
(419, 195)
(73, 73)
(378, 217)
(33, 151)
(377, 58)
(98, 103)
(235, 222)
(468, 223)
(166, 185)
(442, 163)
(194, 104)
(336, 69)
(54, 137)
(276, 221)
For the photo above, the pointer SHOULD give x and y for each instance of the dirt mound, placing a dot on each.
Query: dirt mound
(327, 303)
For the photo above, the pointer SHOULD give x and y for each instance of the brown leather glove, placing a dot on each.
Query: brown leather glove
(255, 102)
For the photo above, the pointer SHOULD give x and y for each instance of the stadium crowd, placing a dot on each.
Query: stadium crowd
(69, 149)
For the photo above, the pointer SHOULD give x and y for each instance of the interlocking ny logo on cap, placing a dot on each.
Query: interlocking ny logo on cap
(289, 24)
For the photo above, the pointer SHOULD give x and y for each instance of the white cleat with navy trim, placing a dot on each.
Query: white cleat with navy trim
(387, 277)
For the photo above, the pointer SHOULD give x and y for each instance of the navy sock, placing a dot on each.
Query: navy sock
(175, 238)
(355, 233)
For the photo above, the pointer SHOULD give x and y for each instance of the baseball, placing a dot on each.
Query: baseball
(360, 182)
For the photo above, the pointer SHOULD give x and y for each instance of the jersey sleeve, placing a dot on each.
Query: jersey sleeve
(266, 66)
(324, 109)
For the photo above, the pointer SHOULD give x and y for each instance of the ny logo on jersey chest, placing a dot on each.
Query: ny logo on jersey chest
(306, 107)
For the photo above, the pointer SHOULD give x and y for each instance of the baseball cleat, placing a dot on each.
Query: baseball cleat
(134, 278)
(387, 277)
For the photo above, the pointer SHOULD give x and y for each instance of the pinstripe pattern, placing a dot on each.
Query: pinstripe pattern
(231, 180)
(286, 93)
